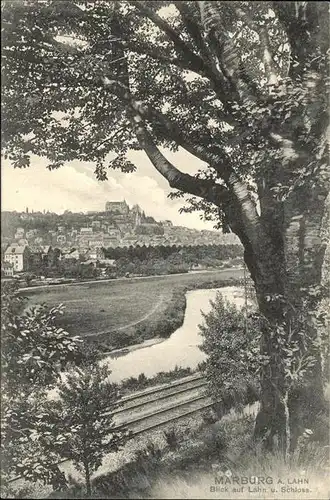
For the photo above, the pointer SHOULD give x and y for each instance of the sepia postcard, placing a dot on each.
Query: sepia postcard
(165, 262)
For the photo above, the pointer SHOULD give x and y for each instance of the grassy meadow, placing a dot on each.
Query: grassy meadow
(122, 305)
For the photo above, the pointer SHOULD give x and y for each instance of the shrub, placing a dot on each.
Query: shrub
(231, 342)
(171, 438)
(133, 383)
(209, 417)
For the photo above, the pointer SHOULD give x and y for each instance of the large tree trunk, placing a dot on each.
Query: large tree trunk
(286, 411)
(88, 480)
(283, 281)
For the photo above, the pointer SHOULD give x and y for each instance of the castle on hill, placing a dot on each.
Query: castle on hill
(118, 225)
(130, 219)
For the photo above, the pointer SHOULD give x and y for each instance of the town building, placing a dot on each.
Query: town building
(32, 233)
(42, 256)
(167, 223)
(7, 270)
(114, 232)
(61, 239)
(96, 253)
(72, 255)
(95, 243)
(18, 256)
(35, 257)
(22, 242)
(119, 207)
(86, 230)
(111, 241)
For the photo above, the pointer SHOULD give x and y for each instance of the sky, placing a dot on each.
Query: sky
(74, 187)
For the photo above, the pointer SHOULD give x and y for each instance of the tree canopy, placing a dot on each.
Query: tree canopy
(74, 70)
(33, 350)
(242, 86)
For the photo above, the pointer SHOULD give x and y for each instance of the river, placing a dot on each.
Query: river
(181, 348)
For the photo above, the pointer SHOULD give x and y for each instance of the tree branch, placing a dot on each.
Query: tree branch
(155, 54)
(234, 199)
(215, 193)
(212, 155)
(306, 25)
(194, 62)
(247, 207)
(268, 60)
(237, 194)
(195, 33)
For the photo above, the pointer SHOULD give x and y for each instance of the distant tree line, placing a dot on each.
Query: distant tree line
(189, 254)
(140, 260)
(174, 259)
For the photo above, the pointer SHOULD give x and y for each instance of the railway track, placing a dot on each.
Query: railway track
(156, 407)
(161, 392)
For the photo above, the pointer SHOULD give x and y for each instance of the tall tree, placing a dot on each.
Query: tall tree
(242, 86)
(83, 420)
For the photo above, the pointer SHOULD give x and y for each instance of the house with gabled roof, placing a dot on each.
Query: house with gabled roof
(18, 256)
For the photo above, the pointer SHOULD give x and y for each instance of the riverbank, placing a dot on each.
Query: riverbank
(122, 313)
(116, 353)
(76, 282)
(156, 327)
(182, 347)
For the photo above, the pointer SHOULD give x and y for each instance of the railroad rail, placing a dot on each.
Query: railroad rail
(155, 407)
(159, 393)
(155, 389)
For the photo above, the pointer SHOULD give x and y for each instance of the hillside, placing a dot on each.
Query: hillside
(117, 226)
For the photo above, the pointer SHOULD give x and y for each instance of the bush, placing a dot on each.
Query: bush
(120, 339)
(231, 343)
(171, 438)
(133, 383)
(132, 476)
(209, 417)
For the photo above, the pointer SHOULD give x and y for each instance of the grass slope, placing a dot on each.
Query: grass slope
(104, 307)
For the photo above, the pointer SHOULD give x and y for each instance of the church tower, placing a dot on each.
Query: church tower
(138, 219)
(137, 212)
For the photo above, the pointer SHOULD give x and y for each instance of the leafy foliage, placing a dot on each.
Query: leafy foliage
(33, 348)
(71, 57)
(26, 434)
(231, 341)
(82, 421)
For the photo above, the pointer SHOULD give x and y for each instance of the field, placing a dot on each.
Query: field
(104, 307)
